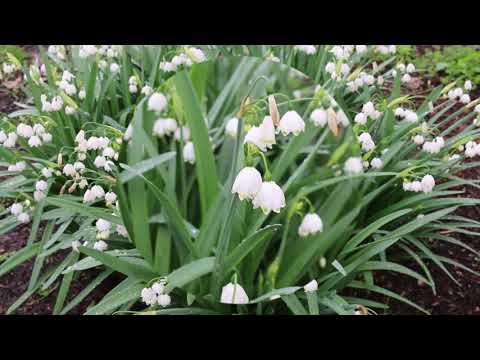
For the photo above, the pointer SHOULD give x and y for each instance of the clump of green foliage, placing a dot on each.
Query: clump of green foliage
(452, 63)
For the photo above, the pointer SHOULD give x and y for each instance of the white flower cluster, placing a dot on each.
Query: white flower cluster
(337, 72)
(103, 159)
(426, 184)
(91, 195)
(458, 93)
(368, 111)
(40, 189)
(366, 141)
(103, 229)
(87, 50)
(472, 149)
(19, 166)
(110, 51)
(66, 83)
(353, 165)
(57, 51)
(406, 70)
(9, 68)
(307, 49)
(56, 104)
(406, 114)
(386, 49)
(17, 210)
(434, 146)
(132, 85)
(8, 140)
(360, 80)
(156, 294)
(267, 195)
(188, 58)
(36, 135)
(163, 127)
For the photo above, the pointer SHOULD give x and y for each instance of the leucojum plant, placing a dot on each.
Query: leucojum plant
(217, 184)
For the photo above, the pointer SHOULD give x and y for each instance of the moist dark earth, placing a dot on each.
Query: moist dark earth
(451, 299)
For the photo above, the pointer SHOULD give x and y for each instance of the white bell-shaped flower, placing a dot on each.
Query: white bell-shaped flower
(311, 224)
(269, 198)
(189, 153)
(231, 127)
(233, 294)
(247, 184)
(428, 182)
(353, 165)
(319, 117)
(291, 123)
(311, 286)
(157, 102)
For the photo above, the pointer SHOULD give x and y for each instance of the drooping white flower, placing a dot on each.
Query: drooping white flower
(360, 118)
(269, 198)
(353, 165)
(158, 287)
(3, 136)
(46, 172)
(366, 141)
(376, 163)
(147, 90)
(311, 286)
(34, 141)
(368, 109)
(25, 130)
(247, 184)
(182, 131)
(189, 153)
(410, 68)
(311, 224)
(16, 209)
(103, 225)
(128, 132)
(98, 191)
(89, 196)
(468, 85)
(196, 54)
(233, 294)
(231, 127)
(319, 117)
(100, 161)
(428, 182)
(100, 245)
(38, 129)
(291, 123)
(38, 195)
(164, 300)
(418, 139)
(157, 102)
(406, 78)
(163, 127)
(110, 197)
(41, 185)
(75, 245)
(263, 136)
(69, 110)
(114, 68)
(360, 49)
(46, 137)
(122, 230)
(69, 170)
(149, 296)
(400, 112)
(465, 99)
(82, 94)
(24, 218)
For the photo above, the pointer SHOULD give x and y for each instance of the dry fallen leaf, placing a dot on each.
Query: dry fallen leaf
(272, 105)
(332, 121)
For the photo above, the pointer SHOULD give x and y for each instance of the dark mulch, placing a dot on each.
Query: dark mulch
(15, 283)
